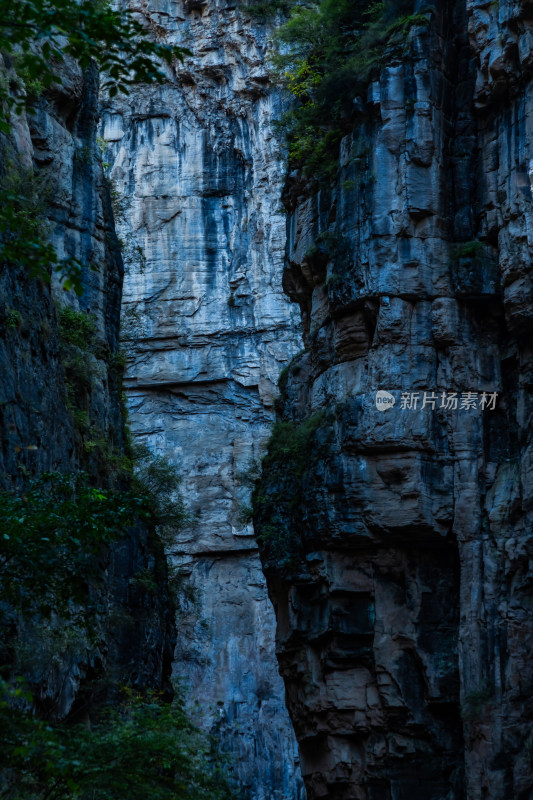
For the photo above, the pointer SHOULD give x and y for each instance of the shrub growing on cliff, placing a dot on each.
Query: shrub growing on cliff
(142, 748)
(76, 327)
(24, 229)
(54, 535)
(327, 52)
(292, 450)
(86, 358)
(159, 482)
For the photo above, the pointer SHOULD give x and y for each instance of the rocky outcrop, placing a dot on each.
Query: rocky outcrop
(50, 159)
(397, 548)
(197, 176)
(60, 404)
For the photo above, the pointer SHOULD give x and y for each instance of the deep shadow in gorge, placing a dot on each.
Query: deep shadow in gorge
(395, 548)
(395, 545)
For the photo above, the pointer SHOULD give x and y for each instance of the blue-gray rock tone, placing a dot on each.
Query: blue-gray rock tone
(197, 175)
(56, 399)
(404, 606)
(383, 562)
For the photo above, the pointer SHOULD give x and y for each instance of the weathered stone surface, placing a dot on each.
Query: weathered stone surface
(198, 172)
(134, 629)
(403, 604)
(37, 429)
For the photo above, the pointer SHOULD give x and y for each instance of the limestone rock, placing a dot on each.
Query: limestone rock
(197, 172)
(56, 149)
(398, 554)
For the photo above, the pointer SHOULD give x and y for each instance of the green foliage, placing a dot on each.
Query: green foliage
(250, 475)
(143, 748)
(290, 444)
(145, 579)
(348, 185)
(116, 464)
(35, 38)
(76, 327)
(117, 361)
(330, 259)
(82, 355)
(79, 416)
(33, 86)
(159, 482)
(40, 34)
(327, 52)
(54, 534)
(102, 146)
(245, 514)
(13, 318)
(118, 201)
(292, 450)
(24, 229)
(51, 535)
(77, 335)
(473, 249)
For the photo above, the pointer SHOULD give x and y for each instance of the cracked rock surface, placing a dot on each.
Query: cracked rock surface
(398, 555)
(196, 176)
(54, 148)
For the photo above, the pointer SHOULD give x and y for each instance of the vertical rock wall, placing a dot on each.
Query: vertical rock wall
(495, 538)
(52, 152)
(404, 595)
(197, 178)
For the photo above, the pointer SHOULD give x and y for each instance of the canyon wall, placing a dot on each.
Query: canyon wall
(196, 174)
(397, 540)
(60, 404)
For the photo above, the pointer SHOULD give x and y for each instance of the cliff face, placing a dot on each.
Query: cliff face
(395, 541)
(60, 404)
(197, 175)
(51, 157)
(397, 548)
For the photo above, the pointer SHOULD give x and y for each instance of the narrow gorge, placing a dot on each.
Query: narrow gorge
(305, 286)
(197, 175)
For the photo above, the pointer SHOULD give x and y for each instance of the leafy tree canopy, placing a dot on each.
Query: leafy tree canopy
(142, 748)
(36, 36)
(53, 535)
(39, 34)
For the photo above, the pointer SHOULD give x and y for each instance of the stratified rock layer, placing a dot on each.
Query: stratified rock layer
(197, 178)
(398, 556)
